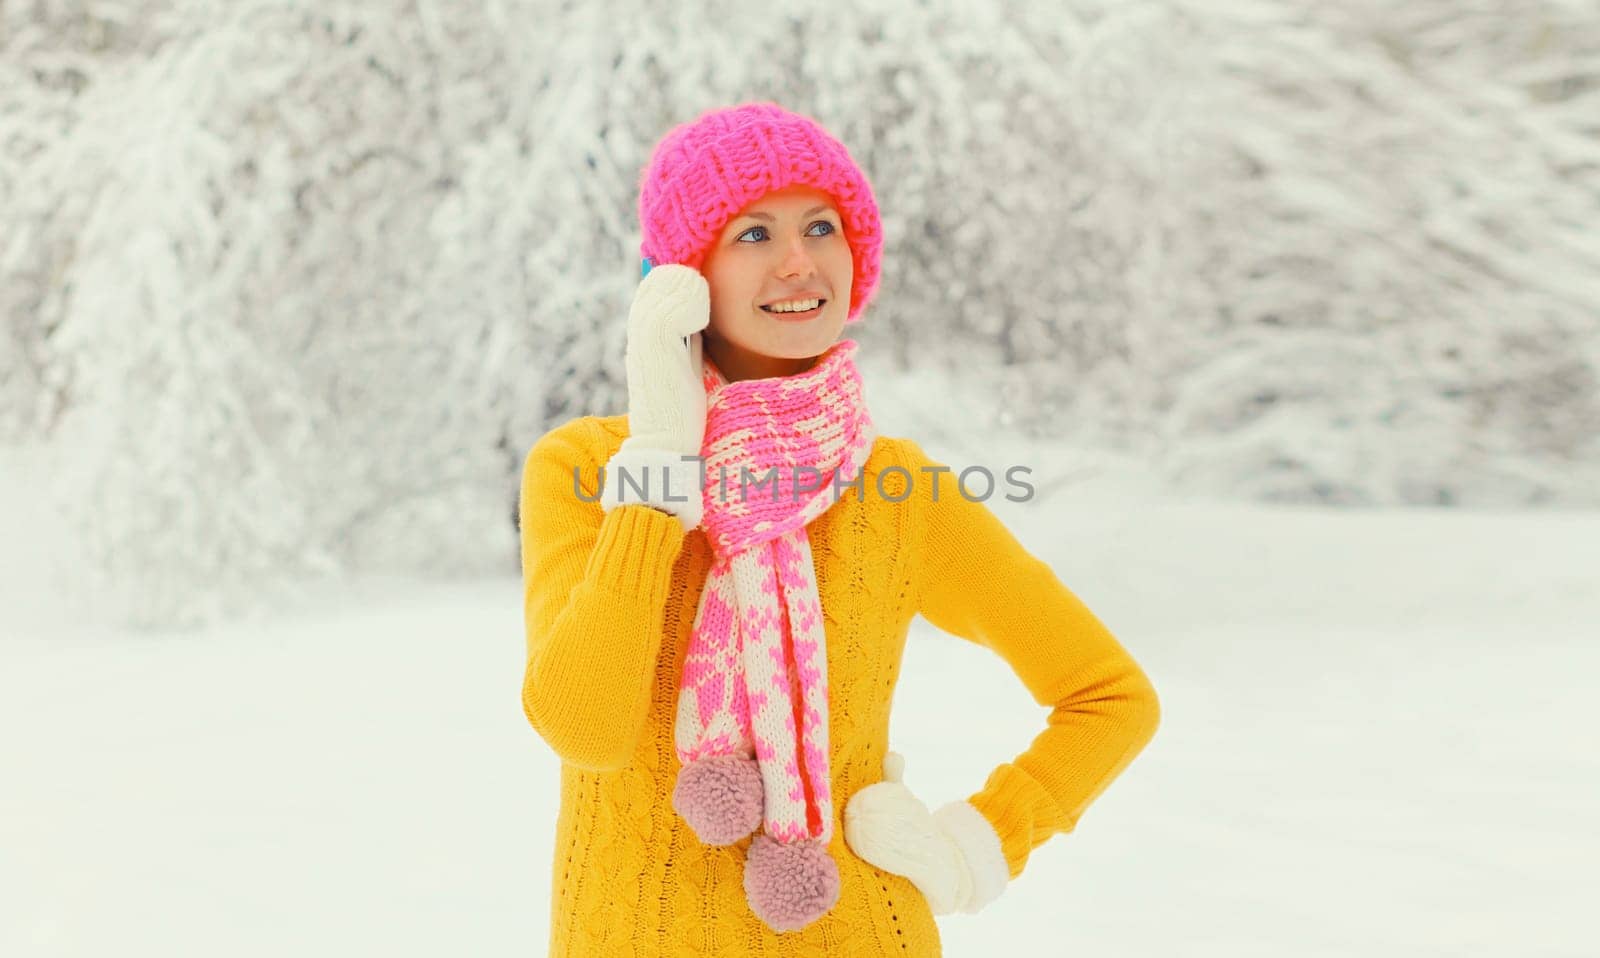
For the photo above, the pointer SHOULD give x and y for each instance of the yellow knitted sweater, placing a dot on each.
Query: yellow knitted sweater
(609, 600)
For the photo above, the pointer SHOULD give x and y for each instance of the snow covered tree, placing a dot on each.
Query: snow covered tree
(290, 287)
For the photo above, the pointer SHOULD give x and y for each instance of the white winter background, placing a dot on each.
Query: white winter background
(1293, 309)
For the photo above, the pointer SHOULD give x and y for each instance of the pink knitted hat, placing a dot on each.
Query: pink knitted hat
(702, 173)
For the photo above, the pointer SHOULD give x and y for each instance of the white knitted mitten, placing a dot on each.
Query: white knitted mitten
(953, 855)
(666, 400)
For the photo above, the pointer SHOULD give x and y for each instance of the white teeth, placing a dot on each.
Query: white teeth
(795, 306)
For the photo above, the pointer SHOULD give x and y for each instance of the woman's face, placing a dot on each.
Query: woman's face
(787, 245)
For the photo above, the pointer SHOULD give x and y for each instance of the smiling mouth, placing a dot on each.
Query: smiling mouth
(803, 314)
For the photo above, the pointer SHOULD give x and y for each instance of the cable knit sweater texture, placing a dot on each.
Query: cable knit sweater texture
(609, 600)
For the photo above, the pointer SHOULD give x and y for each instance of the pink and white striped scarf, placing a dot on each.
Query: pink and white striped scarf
(755, 673)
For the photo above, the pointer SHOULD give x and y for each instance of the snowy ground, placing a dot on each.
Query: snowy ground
(1377, 740)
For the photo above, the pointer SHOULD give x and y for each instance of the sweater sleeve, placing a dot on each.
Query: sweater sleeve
(595, 587)
(977, 582)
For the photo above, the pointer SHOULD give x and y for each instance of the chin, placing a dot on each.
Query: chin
(800, 342)
(791, 349)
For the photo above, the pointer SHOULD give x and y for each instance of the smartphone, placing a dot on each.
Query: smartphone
(692, 342)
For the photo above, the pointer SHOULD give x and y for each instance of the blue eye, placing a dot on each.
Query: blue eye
(763, 229)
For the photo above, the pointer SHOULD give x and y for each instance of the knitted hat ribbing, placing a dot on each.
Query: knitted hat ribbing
(702, 173)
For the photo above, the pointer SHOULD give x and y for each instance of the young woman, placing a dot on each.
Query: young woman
(713, 642)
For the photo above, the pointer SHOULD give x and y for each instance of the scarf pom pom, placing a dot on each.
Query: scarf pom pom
(790, 886)
(720, 797)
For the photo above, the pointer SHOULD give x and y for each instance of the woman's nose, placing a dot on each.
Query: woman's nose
(797, 261)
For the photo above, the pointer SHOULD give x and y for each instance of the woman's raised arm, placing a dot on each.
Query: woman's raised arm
(595, 586)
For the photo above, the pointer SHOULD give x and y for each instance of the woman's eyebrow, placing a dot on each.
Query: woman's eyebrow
(764, 216)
